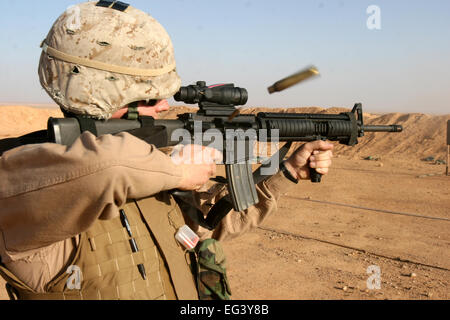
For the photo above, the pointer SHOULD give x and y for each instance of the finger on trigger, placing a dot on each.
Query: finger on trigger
(217, 156)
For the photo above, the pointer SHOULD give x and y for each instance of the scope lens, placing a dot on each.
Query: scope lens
(187, 95)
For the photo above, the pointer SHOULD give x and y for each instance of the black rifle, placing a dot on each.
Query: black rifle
(218, 112)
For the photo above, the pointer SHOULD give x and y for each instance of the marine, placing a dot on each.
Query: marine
(101, 207)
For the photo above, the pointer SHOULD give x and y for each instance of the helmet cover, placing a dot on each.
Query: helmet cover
(96, 60)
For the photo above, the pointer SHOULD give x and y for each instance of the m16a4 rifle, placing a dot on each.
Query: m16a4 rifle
(218, 112)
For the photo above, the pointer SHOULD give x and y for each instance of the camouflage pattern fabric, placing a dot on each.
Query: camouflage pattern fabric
(96, 35)
(212, 278)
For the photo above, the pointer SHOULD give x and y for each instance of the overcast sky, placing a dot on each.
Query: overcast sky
(402, 67)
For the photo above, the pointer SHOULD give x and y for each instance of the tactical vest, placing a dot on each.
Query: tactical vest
(106, 268)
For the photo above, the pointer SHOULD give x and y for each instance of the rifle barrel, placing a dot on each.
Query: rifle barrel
(391, 128)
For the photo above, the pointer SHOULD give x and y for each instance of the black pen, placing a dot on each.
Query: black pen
(125, 223)
(134, 246)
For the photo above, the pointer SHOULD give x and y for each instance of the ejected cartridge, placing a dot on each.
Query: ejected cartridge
(294, 79)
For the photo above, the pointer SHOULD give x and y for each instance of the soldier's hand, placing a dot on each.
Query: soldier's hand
(198, 164)
(317, 155)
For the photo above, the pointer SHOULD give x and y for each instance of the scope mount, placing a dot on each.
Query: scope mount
(215, 110)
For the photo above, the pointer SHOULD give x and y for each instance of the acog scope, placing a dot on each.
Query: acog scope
(221, 94)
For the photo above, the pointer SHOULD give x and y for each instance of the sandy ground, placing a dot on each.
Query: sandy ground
(315, 249)
(391, 214)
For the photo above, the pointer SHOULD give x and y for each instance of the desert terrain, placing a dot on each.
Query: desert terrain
(382, 207)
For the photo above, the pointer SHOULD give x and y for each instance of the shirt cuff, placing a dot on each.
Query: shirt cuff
(279, 184)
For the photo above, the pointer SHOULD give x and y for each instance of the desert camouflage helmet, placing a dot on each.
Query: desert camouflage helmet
(98, 57)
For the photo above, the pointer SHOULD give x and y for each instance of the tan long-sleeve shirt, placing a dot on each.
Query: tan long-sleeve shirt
(50, 194)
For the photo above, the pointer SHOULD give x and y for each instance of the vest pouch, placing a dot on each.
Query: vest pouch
(212, 281)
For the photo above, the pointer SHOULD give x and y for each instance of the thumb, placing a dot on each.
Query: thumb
(309, 148)
(318, 145)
